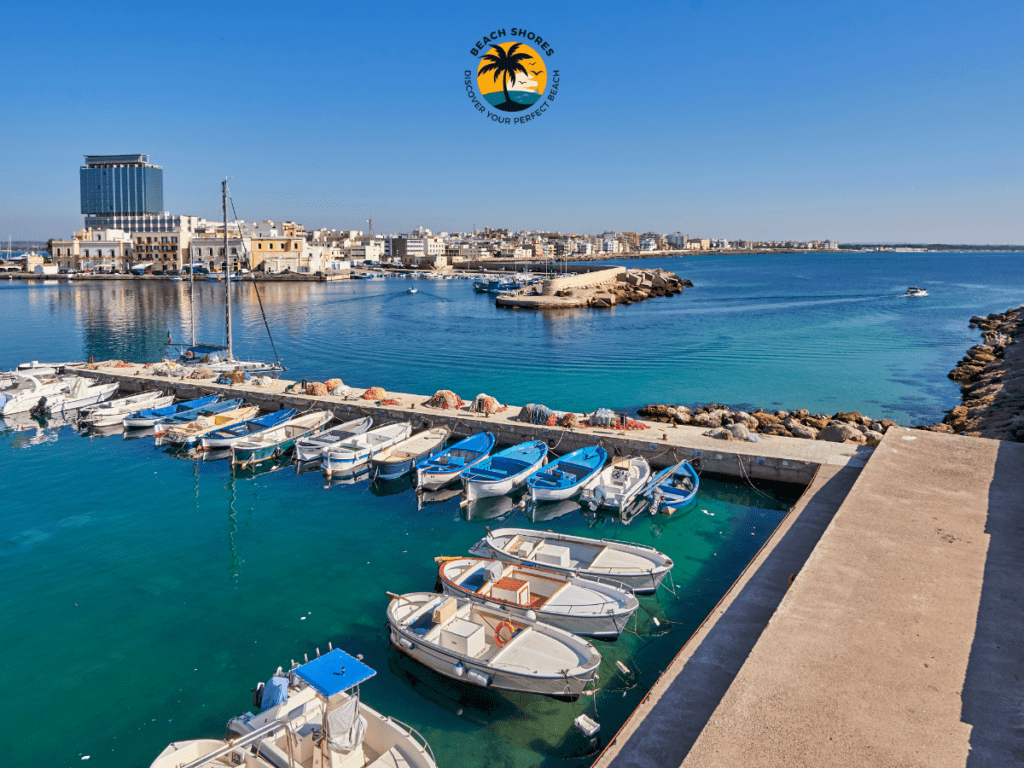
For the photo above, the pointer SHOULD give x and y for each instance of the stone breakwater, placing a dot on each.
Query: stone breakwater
(637, 285)
(726, 424)
(624, 287)
(991, 377)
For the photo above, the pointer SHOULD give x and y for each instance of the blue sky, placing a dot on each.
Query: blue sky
(856, 121)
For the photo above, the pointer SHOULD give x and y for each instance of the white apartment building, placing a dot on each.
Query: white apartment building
(611, 246)
(94, 250)
(648, 244)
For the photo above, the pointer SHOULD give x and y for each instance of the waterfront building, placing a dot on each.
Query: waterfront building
(585, 248)
(206, 250)
(121, 184)
(94, 250)
(611, 245)
(648, 244)
(677, 240)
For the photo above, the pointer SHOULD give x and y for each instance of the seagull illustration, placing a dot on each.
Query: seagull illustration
(536, 71)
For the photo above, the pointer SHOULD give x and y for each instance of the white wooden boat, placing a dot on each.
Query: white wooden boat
(226, 437)
(617, 485)
(437, 471)
(279, 440)
(81, 393)
(312, 718)
(530, 593)
(490, 648)
(312, 448)
(192, 432)
(505, 471)
(638, 567)
(564, 477)
(29, 391)
(113, 412)
(672, 488)
(401, 458)
(348, 455)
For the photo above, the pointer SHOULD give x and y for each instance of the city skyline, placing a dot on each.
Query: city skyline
(866, 124)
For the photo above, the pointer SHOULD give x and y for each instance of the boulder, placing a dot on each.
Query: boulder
(937, 428)
(839, 432)
(739, 431)
(886, 424)
(800, 413)
(815, 422)
(782, 414)
(719, 433)
(776, 429)
(964, 372)
(873, 439)
(765, 419)
(801, 430)
(853, 417)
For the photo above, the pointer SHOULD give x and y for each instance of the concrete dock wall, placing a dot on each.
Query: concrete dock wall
(582, 280)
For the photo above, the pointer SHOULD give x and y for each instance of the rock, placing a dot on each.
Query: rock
(800, 413)
(739, 431)
(886, 424)
(755, 438)
(801, 430)
(682, 418)
(776, 429)
(877, 427)
(963, 372)
(840, 433)
(853, 417)
(873, 439)
(719, 433)
(816, 422)
(765, 419)
(782, 414)
(937, 428)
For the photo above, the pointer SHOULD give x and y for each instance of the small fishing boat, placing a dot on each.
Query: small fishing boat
(81, 393)
(531, 593)
(437, 471)
(184, 417)
(191, 433)
(30, 391)
(505, 471)
(564, 477)
(348, 455)
(915, 292)
(413, 290)
(638, 567)
(401, 458)
(113, 412)
(280, 439)
(148, 417)
(225, 437)
(312, 447)
(672, 488)
(489, 647)
(312, 717)
(617, 485)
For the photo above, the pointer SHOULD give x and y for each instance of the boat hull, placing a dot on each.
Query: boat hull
(482, 489)
(347, 462)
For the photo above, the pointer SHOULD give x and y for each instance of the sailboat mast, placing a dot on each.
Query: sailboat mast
(227, 268)
(192, 293)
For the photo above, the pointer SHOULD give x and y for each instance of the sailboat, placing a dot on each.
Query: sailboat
(221, 359)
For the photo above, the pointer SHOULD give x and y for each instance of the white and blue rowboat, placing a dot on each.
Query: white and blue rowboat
(113, 412)
(313, 447)
(280, 439)
(348, 455)
(401, 458)
(673, 488)
(191, 433)
(617, 485)
(228, 436)
(311, 715)
(148, 417)
(640, 568)
(489, 647)
(437, 471)
(184, 417)
(505, 471)
(81, 393)
(564, 477)
(531, 593)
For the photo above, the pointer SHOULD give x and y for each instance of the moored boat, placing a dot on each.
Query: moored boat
(280, 439)
(617, 485)
(228, 436)
(184, 417)
(489, 647)
(531, 593)
(312, 448)
(312, 717)
(564, 477)
(348, 455)
(638, 567)
(192, 432)
(81, 393)
(112, 412)
(437, 471)
(401, 458)
(505, 471)
(672, 488)
(30, 391)
(148, 417)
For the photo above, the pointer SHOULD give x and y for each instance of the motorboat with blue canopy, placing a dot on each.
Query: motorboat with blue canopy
(148, 417)
(673, 488)
(437, 471)
(311, 717)
(564, 477)
(505, 471)
(225, 438)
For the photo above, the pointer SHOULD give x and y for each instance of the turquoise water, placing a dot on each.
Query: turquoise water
(146, 594)
(519, 97)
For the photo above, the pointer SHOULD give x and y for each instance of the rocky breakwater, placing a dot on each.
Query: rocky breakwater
(724, 423)
(637, 285)
(991, 377)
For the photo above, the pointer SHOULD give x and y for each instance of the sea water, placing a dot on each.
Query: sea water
(144, 595)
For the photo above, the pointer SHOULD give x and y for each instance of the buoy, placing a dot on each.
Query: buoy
(459, 669)
(531, 615)
(656, 622)
(622, 667)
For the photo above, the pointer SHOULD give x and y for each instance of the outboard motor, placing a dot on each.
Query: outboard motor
(39, 409)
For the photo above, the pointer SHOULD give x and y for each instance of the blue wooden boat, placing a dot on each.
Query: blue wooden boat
(564, 477)
(672, 488)
(225, 438)
(148, 417)
(505, 471)
(437, 471)
(184, 417)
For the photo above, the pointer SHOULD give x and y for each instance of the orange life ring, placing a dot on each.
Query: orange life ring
(498, 640)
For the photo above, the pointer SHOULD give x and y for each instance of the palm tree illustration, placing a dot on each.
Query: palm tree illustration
(506, 65)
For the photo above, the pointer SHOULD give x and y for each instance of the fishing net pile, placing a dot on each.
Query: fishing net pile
(333, 384)
(535, 413)
(317, 388)
(446, 399)
(569, 421)
(486, 404)
(374, 393)
(296, 387)
(262, 381)
(391, 401)
(629, 424)
(202, 372)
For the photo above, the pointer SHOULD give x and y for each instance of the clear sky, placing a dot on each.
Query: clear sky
(858, 121)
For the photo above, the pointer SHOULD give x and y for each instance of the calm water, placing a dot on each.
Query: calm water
(145, 595)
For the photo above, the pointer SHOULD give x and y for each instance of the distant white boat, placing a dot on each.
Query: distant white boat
(29, 391)
(915, 292)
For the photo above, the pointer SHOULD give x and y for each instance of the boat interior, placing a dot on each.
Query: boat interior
(528, 588)
(562, 474)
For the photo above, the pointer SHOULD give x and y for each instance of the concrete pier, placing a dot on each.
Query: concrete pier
(782, 459)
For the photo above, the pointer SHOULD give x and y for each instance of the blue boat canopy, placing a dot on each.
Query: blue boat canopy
(334, 672)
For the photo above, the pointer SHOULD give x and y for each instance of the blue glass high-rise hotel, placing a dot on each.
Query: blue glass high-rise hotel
(121, 184)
